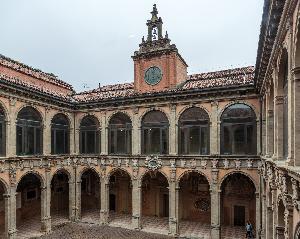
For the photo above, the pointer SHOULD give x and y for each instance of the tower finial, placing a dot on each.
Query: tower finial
(154, 13)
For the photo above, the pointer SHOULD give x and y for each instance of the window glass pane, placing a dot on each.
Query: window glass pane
(238, 139)
(30, 140)
(121, 141)
(112, 141)
(204, 141)
(82, 142)
(90, 142)
(60, 141)
(38, 141)
(2, 139)
(194, 140)
(146, 143)
(250, 145)
(128, 134)
(155, 140)
(227, 140)
(19, 140)
(165, 146)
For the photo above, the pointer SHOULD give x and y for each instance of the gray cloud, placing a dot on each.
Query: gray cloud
(91, 41)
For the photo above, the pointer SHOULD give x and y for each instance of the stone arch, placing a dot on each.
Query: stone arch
(85, 169)
(35, 173)
(238, 200)
(64, 170)
(65, 114)
(239, 172)
(93, 116)
(256, 112)
(193, 171)
(184, 109)
(157, 171)
(5, 185)
(141, 117)
(114, 170)
(40, 113)
(110, 116)
(5, 111)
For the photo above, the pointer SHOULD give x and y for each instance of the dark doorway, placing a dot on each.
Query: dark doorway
(112, 202)
(239, 215)
(166, 205)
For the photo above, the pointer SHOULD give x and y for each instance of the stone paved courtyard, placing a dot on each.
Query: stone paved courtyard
(87, 231)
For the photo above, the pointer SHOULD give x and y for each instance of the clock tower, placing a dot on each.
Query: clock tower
(157, 64)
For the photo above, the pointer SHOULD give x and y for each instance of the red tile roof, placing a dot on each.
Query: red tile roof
(33, 72)
(232, 77)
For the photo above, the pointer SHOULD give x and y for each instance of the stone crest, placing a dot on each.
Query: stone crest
(153, 162)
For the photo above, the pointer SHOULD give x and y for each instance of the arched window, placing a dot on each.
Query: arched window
(89, 135)
(2, 132)
(238, 130)
(119, 138)
(155, 128)
(29, 132)
(60, 134)
(194, 132)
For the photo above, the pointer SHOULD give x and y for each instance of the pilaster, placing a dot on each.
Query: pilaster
(11, 133)
(104, 212)
(215, 206)
(278, 127)
(296, 116)
(11, 212)
(136, 134)
(104, 134)
(173, 147)
(174, 201)
(136, 204)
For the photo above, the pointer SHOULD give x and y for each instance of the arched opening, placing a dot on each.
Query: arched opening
(3, 202)
(280, 221)
(90, 196)
(59, 198)
(2, 132)
(155, 201)
(29, 132)
(60, 134)
(194, 206)
(238, 204)
(120, 198)
(28, 205)
(194, 132)
(89, 142)
(238, 130)
(155, 133)
(119, 134)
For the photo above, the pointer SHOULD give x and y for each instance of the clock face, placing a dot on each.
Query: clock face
(153, 75)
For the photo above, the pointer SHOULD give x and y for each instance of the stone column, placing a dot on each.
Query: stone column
(288, 221)
(136, 134)
(104, 212)
(263, 126)
(275, 216)
(258, 215)
(78, 198)
(296, 125)
(173, 207)
(136, 203)
(73, 135)
(173, 139)
(263, 216)
(72, 198)
(269, 223)
(214, 129)
(215, 206)
(278, 128)
(45, 205)
(11, 213)
(270, 134)
(104, 135)
(47, 134)
(11, 132)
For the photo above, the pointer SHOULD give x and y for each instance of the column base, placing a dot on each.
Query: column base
(12, 234)
(215, 232)
(46, 225)
(136, 223)
(103, 217)
(173, 226)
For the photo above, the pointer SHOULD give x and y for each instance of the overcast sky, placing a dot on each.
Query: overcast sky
(87, 42)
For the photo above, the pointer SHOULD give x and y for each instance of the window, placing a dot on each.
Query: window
(119, 135)
(193, 128)
(60, 134)
(2, 133)
(238, 130)
(155, 130)
(89, 135)
(29, 132)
